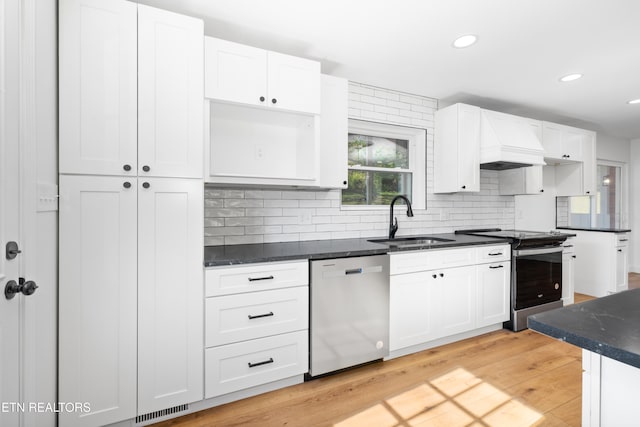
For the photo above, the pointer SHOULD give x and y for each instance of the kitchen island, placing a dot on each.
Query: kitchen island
(608, 331)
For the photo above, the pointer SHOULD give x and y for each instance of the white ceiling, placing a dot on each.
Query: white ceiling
(524, 47)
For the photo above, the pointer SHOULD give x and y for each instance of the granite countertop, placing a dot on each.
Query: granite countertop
(323, 249)
(609, 326)
(602, 230)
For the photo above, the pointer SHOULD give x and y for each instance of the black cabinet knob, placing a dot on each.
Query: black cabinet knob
(273, 100)
(542, 191)
(126, 184)
(441, 274)
(588, 192)
(434, 276)
(464, 186)
(262, 99)
(146, 185)
(344, 182)
(146, 168)
(573, 256)
(126, 167)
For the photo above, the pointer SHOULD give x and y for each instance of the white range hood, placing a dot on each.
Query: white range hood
(509, 142)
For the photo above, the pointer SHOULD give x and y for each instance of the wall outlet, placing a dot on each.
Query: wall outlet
(47, 197)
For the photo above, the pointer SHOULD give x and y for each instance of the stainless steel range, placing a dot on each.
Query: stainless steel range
(536, 271)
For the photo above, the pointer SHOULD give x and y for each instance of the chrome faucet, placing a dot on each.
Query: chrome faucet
(393, 222)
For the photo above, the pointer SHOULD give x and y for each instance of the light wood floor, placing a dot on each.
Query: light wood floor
(498, 379)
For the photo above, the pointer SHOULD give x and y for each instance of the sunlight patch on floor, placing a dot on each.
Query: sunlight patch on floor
(457, 398)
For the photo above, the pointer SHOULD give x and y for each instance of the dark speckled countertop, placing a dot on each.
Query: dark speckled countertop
(609, 326)
(323, 249)
(601, 230)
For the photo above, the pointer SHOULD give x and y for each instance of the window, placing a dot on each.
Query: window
(605, 210)
(384, 161)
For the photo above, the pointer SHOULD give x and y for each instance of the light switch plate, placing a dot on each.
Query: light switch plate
(47, 197)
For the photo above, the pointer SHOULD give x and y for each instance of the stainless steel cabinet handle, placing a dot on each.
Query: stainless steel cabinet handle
(264, 362)
(255, 279)
(257, 316)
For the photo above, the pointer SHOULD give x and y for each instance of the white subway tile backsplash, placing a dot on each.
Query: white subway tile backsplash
(254, 215)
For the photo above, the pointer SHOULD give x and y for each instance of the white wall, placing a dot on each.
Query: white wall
(612, 148)
(236, 216)
(634, 205)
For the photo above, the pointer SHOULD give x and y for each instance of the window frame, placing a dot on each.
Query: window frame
(417, 150)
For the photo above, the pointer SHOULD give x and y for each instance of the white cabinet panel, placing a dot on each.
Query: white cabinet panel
(242, 317)
(294, 83)
(494, 291)
(334, 133)
(170, 88)
(98, 297)
(98, 71)
(428, 260)
(235, 72)
(170, 289)
(601, 264)
(494, 253)
(568, 271)
(622, 269)
(413, 310)
(457, 149)
(457, 296)
(246, 364)
(526, 180)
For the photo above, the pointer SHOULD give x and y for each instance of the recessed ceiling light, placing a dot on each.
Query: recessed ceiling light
(465, 41)
(570, 77)
(634, 101)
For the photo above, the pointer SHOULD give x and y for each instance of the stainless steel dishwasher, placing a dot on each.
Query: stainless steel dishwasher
(349, 312)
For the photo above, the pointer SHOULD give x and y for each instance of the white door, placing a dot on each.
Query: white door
(457, 291)
(10, 310)
(170, 293)
(170, 94)
(294, 83)
(98, 298)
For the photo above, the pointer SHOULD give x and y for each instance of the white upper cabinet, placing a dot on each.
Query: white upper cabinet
(170, 94)
(334, 133)
(97, 86)
(248, 75)
(562, 142)
(457, 149)
(131, 90)
(527, 180)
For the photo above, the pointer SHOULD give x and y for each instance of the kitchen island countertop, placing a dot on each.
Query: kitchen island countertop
(609, 326)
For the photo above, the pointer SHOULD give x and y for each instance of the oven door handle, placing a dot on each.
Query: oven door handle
(524, 252)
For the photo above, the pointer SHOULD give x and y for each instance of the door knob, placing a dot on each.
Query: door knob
(26, 287)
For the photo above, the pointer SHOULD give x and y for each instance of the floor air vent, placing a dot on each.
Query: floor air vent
(161, 413)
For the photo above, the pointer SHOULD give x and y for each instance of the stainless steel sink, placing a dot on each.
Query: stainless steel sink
(411, 241)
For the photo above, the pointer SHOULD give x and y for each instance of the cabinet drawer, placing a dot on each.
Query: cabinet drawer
(242, 317)
(255, 277)
(242, 365)
(410, 262)
(493, 253)
(622, 240)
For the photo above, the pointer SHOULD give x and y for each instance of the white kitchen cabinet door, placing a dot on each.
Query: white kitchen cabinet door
(235, 72)
(589, 163)
(97, 86)
(457, 149)
(527, 180)
(97, 298)
(170, 94)
(294, 83)
(170, 292)
(457, 291)
(562, 142)
(413, 310)
(622, 269)
(334, 133)
(568, 272)
(494, 290)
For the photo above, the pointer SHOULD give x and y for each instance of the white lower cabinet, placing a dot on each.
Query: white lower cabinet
(472, 293)
(568, 271)
(130, 296)
(257, 325)
(601, 264)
